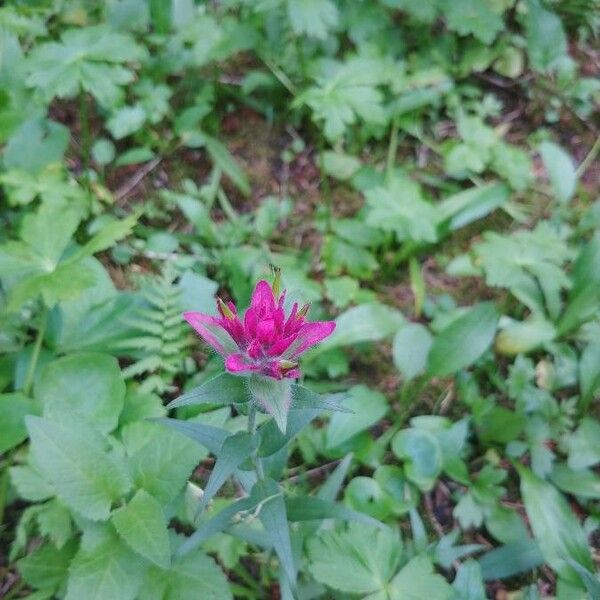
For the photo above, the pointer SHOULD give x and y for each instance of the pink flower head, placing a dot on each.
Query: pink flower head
(265, 342)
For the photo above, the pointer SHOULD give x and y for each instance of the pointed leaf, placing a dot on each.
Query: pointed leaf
(555, 527)
(222, 389)
(274, 519)
(463, 341)
(220, 522)
(311, 508)
(74, 458)
(207, 435)
(142, 524)
(273, 396)
(235, 450)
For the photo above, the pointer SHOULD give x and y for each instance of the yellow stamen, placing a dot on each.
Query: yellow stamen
(287, 365)
(276, 287)
(304, 310)
(227, 312)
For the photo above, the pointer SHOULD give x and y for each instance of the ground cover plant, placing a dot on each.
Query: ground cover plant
(299, 299)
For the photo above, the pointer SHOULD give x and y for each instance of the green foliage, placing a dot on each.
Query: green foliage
(422, 172)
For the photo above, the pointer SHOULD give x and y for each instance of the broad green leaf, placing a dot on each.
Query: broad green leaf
(89, 385)
(235, 450)
(194, 576)
(86, 58)
(463, 341)
(108, 569)
(106, 237)
(139, 407)
(582, 482)
(412, 343)
(339, 165)
(35, 144)
(47, 566)
(142, 524)
(529, 264)
(468, 583)
(30, 484)
(314, 18)
(555, 527)
(74, 458)
(369, 322)
(400, 206)
(221, 389)
(422, 453)
(417, 580)
(55, 522)
(560, 170)
(357, 559)
(126, 120)
(477, 17)
(197, 292)
(163, 464)
(508, 560)
(520, 337)
(345, 92)
(546, 39)
(472, 204)
(584, 445)
(367, 406)
(13, 409)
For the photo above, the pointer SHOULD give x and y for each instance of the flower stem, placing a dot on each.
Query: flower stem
(36, 352)
(252, 430)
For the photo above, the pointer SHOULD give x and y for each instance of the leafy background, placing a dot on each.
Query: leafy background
(424, 172)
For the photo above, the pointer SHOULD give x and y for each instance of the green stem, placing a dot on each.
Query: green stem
(228, 209)
(392, 151)
(36, 352)
(325, 182)
(84, 121)
(3, 491)
(589, 159)
(252, 430)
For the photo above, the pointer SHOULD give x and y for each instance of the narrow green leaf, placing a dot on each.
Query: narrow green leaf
(235, 450)
(555, 527)
(222, 389)
(207, 435)
(220, 522)
(274, 519)
(517, 557)
(311, 508)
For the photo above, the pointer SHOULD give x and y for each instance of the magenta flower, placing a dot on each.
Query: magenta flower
(265, 342)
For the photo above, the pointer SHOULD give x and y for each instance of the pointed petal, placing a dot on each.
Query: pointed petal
(309, 335)
(262, 298)
(235, 363)
(210, 330)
